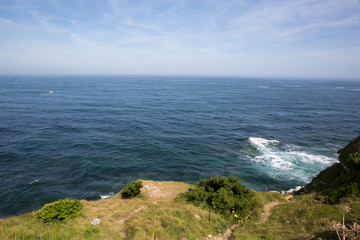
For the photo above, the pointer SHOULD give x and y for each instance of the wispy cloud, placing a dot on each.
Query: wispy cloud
(217, 35)
(290, 20)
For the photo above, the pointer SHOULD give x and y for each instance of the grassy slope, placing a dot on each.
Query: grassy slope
(156, 212)
(298, 217)
(306, 216)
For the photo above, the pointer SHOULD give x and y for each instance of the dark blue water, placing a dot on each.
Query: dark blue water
(81, 137)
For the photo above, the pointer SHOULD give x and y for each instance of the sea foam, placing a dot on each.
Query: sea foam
(287, 161)
(269, 153)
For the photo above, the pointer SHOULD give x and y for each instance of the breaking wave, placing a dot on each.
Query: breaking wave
(287, 161)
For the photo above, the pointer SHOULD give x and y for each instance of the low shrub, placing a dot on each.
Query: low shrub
(224, 195)
(131, 190)
(350, 155)
(351, 160)
(354, 158)
(342, 180)
(334, 196)
(59, 210)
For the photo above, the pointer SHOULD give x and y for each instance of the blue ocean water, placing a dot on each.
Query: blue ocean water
(86, 136)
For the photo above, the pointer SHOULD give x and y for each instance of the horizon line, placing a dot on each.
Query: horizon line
(178, 75)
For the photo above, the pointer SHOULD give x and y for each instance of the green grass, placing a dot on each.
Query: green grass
(264, 198)
(155, 211)
(293, 220)
(28, 227)
(175, 221)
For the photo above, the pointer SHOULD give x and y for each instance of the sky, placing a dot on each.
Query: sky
(272, 38)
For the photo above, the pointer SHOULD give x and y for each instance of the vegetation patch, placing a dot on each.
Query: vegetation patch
(132, 189)
(174, 220)
(349, 156)
(224, 195)
(59, 210)
(342, 180)
(301, 218)
(350, 159)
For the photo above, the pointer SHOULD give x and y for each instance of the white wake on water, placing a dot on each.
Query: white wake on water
(288, 161)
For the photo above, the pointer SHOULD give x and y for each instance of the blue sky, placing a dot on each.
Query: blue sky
(280, 38)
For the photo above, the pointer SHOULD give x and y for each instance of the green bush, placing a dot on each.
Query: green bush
(354, 158)
(224, 195)
(351, 160)
(131, 190)
(350, 155)
(334, 196)
(59, 210)
(337, 182)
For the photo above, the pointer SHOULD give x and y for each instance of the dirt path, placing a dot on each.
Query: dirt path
(155, 192)
(267, 209)
(265, 215)
(121, 222)
(159, 193)
(224, 236)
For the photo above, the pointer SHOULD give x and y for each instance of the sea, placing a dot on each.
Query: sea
(84, 137)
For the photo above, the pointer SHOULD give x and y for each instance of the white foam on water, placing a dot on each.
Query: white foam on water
(269, 154)
(287, 160)
(35, 181)
(262, 143)
(292, 86)
(107, 195)
(309, 158)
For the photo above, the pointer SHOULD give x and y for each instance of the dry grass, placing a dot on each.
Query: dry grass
(155, 211)
(300, 217)
(115, 212)
(156, 201)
